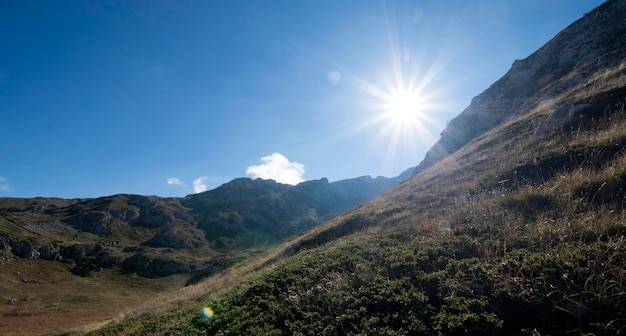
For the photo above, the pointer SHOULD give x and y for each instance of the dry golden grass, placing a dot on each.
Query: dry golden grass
(553, 211)
(48, 298)
(484, 186)
(185, 300)
(603, 80)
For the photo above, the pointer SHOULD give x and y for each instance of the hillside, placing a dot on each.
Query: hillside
(59, 255)
(513, 224)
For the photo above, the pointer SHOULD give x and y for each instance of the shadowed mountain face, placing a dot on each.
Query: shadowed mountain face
(276, 211)
(155, 236)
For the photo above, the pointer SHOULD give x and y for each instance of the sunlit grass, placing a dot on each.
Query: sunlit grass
(540, 235)
(543, 247)
(533, 243)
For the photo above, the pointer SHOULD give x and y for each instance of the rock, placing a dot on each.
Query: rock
(49, 253)
(24, 250)
(9, 300)
(97, 222)
(560, 117)
(12, 247)
(88, 258)
(75, 252)
(5, 249)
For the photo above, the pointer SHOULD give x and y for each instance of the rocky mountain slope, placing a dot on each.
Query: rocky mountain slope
(513, 224)
(153, 237)
(551, 80)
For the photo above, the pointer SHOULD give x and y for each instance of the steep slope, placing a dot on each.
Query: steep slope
(551, 79)
(513, 225)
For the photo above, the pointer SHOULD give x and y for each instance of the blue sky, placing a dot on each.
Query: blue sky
(173, 97)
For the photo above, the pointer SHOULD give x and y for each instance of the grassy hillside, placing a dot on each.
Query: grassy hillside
(174, 235)
(518, 232)
(80, 263)
(40, 296)
(514, 224)
(525, 241)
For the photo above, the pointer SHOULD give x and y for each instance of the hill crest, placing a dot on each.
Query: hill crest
(155, 237)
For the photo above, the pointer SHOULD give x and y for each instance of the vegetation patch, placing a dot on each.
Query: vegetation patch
(544, 256)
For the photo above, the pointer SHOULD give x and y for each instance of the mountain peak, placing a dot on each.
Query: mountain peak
(248, 183)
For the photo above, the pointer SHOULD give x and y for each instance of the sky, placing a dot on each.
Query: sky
(170, 98)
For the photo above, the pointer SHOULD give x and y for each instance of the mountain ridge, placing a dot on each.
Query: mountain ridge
(133, 231)
(552, 74)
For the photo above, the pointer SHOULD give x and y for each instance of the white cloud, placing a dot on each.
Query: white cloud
(3, 184)
(276, 167)
(199, 184)
(175, 181)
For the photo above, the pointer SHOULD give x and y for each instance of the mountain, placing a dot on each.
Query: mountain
(155, 237)
(513, 224)
(553, 80)
(279, 210)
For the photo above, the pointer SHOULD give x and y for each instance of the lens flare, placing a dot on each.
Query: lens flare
(445, 226)
(207, 313)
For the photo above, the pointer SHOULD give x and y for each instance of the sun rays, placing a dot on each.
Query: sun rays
(404, 99)
(393, 100)
(403, 107)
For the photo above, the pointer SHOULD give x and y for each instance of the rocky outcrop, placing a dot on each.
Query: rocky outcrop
(101, 223)
(560, 116)
(103, 216)
(552, 74)
(83, 259)
(12, 247)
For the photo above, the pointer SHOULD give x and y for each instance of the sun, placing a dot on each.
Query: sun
(395, 102)
(404, 107)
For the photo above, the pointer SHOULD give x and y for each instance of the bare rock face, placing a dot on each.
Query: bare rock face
(595, 42)
(25, 250)
(12, 247)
